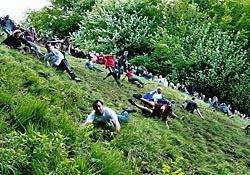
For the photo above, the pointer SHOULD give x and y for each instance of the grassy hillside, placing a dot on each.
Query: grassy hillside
(41, 111)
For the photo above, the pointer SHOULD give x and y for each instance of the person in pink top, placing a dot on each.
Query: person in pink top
(110, 65)
(132, 79)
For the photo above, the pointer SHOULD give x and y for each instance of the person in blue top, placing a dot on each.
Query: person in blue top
(58, 60)
(7, 25)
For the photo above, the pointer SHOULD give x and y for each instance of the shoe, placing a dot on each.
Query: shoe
(77, 79)
(129, 110)
(138, 96)
(131, 101)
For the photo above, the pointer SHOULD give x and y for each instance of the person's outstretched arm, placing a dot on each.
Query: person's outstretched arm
(117, 125)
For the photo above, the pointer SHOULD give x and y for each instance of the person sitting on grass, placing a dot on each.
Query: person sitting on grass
(31, 37)
(106, 118)
(16, 40)
(132, 79)
(192, 106)
(159, 110)
(58, 60)
(90, 65)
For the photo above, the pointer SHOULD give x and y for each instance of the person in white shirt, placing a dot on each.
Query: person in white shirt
(106, 117)
(58, 60)
(157, 95)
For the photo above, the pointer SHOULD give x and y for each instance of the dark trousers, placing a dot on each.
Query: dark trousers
(64, 65)
(112, 72)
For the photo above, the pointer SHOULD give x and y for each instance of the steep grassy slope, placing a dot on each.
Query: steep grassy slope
(41, 111)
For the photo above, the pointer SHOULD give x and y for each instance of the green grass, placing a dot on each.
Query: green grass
(41, 111)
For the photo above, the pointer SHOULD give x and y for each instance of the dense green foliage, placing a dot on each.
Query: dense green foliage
(41, 111)
(61, 18)
(115, 26)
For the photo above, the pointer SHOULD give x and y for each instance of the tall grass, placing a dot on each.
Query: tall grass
(41, 111)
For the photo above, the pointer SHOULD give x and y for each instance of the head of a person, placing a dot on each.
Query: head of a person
(32, 29)
(159, 90)
(67, 39)
(98, 107)
(172, 105)
(7, 17)
(125, 53)
(48, 46)
(17, 33)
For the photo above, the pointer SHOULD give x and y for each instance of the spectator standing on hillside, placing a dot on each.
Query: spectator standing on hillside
(7, 24)
(192, 106)
(59, 61)
(106, 117)
(110, 65)
(122, 63)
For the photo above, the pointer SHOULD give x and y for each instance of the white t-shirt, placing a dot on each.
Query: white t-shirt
(108, 117)
(156, 97)
(54, 56)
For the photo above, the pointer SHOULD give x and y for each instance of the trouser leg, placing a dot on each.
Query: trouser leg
(116, 78)
(64, 65)
(97, 69)
(123, 117)
(133, 79)
(36, 47)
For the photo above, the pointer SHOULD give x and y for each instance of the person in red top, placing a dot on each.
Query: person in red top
(110, 65)
(159, 110)
(100, 58)
(132, 79)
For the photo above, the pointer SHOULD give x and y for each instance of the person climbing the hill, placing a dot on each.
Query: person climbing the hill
(159, 110)
(106, 117)
(132, 79)
(122, 63)
(192, 106)
(110, 65)
(16, 40)
(58, 60)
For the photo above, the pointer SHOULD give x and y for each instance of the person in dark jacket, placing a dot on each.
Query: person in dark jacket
(122, 63)
(16, 40)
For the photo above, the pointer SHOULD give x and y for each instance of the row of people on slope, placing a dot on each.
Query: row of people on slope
(213, 102)
(117, 68)
(154, 105)
(58, 59)
(27, 37)
(18, 35)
